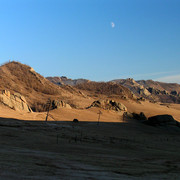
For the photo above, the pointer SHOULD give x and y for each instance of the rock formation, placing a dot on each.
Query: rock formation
(109, 105)
(152, 90)
(59, 104)
(14, 101)
(134, 116)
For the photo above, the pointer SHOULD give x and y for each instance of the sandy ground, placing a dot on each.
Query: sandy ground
(64, 114)
(152, 109)
(61, 149)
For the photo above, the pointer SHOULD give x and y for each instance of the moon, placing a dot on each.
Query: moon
(112, 24)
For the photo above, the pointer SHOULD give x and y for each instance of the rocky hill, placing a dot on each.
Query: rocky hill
(169, 87)
(108, 89)
(126, 88)
(152, 90)
(94, 88)
(19, 78)
(132, 85)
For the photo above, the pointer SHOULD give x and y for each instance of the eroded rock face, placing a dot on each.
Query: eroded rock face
(14, 101)
(109, 105)
(59, 104)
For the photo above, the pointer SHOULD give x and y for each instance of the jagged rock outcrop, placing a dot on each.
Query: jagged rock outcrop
(60, 104)
(131, 84)
(14, 101)
(109, 105)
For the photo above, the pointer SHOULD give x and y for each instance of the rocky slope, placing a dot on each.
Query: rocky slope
(108, 89)
(142, 89)
(19, 78)
(153, 90)
(95, 88)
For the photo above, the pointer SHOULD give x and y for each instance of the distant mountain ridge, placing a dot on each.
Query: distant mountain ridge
(63, 80)
(152, 90)
(147, 89)
(104, 88)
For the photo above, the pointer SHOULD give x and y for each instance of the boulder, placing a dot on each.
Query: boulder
(127, 116)
(164, 92)
(141, 116)
(96, 104)
(175, 93)
(14, 101)
(134, 116)
(143, 91)
(109, 105)
(6, 93)
(141, 99)
(75, 120)
(162, 120)
(154, 91)
(59, 104)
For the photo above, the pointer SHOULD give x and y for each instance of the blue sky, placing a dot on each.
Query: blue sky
(95, 39)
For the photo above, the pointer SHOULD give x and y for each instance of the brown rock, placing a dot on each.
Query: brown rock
(60, 104)
(109, 105)
(14, 101)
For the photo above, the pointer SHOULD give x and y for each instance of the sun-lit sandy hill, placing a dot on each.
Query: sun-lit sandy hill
(21, 78)
(17, 77)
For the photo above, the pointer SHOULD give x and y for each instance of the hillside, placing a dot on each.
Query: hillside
(169, 87)
(94, 89)
(152, 90)
(17, 77)
(63, 80)
(125, 88)
(106, 88)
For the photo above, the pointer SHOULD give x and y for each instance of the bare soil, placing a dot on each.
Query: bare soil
(60, 149)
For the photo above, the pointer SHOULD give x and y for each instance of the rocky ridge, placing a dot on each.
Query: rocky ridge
(141, 90)
(152, 90)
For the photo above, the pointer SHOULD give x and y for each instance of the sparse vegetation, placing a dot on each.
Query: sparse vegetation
(106, 88)
(17, 77)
